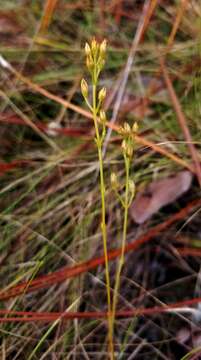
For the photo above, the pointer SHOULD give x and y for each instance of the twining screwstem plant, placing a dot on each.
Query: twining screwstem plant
(95, 60)
(126, 199)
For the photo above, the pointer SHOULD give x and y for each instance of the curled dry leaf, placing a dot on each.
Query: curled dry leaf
(158, 194)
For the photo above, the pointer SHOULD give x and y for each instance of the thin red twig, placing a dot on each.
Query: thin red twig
(30, 316)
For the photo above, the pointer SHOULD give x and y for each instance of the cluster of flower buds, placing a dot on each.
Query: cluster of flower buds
(126, 130)
(95, 60)
(95, 56)
(128, 134)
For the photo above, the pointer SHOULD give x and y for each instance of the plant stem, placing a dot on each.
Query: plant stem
(103, 224)
(123, 244)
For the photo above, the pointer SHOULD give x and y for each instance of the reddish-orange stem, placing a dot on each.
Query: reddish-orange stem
(30, 316)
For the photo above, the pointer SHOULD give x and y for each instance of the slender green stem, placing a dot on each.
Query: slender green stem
(88, 104)
(123, 244)
(103, 224)
(95, 113)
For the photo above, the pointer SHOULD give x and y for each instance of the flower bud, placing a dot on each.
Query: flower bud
(102, 117)
(84, 88)
(127, 128)
(87, 49)
(94, 46)
(102, 94)
(113, 180)
(103, 46)
(131, 187)
(129, 150)
(124, 146)
(135, 127)
(89, 63)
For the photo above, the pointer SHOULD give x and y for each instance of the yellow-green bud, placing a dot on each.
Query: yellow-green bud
(124, 146)
(102, 117)
(89, 62)
(135, 127)
(103, 46)
(131, 186)
(94, 46)
(87, 49)
(113, 180)
(127, 148)
(102, 94)
(127, 128)
(84, 88)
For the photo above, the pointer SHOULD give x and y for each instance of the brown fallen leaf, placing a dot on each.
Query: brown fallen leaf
(158, 194)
